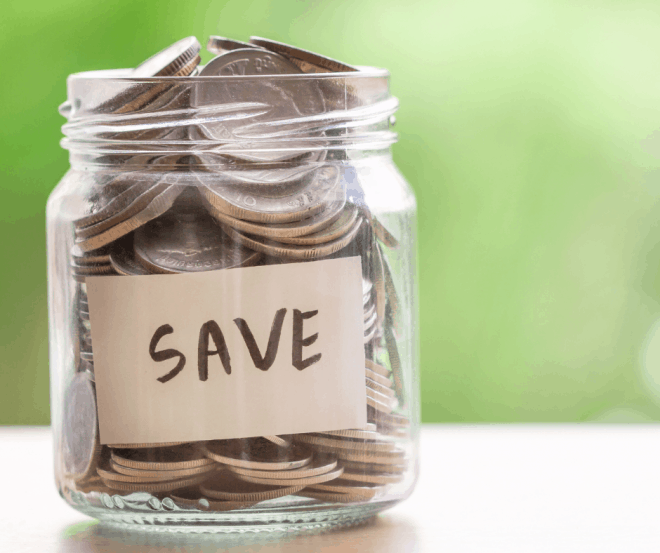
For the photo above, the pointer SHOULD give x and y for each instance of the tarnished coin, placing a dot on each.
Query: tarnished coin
(172, 458)
(219, 45)
(192, 498)
(80, 447)
(277, 205)
(227, 486)
(291, 251)
(350, 487)
(248, 61)
(324, 218)
(301, 481)
(187, 240)
(165, 474)
(336, 442)
(307, 62)
(170, 61)
(154, 487)
(158, 205)
(257, 453)
(320, 464)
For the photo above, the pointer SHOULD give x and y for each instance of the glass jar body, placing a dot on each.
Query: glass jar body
(245, 410)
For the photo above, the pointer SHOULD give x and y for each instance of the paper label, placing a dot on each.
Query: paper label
(235, 353)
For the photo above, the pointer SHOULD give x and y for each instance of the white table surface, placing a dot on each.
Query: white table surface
(527, 488)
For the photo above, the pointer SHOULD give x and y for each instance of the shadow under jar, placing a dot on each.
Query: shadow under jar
(233, 302)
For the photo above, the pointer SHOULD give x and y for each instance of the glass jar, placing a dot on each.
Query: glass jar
(232, 291)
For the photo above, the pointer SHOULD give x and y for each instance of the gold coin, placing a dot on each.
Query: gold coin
(166, 474)
(154, 487)
(304, 481)
(349, 487)
(292, 251)
(378, 369)
(254, 453)
(347, 443)
(321, 464)
(174, 458)
(193, 498)
(228, 486)
(159, 205)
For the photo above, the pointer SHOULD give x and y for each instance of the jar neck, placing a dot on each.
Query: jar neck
(225, 122)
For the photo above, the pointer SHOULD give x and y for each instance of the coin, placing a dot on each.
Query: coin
(395, 363)
(378, 369)
(371, 468)
(194, 499)
(99, 257)
(106, 474)
(382, 380)
(170, 61)
(277, 440)
(331, 497)
(362, 489)
(159, 205)
(381, 458)
(154, 487)
(122, 258)
(227, 486)
(320, 464)
(80, 447)
(302, 481)
(361, 434)
(308, 62)
(324, 218)
(173, 458)
(376, 386)
(186, 240)
(255, 453)
(291, 251)
(220, 44)
(373, 478)
(336, 442)
(384, 235)
(337, 229)
(277, 205)
(166, 474)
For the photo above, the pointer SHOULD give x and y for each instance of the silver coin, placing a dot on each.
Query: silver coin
(276, 205)
(122, 258)
(170, 61)
(188, 240)
(219, 45)
(80, 446)
(306, 61)
(283, 100)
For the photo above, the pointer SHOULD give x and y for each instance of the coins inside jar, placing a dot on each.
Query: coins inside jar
(220, 208)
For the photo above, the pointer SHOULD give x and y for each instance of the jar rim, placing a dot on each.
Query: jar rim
(124, 76)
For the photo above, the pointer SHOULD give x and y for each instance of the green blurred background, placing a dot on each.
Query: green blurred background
(528, 129)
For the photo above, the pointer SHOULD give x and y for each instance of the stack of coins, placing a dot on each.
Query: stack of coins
(159, 215)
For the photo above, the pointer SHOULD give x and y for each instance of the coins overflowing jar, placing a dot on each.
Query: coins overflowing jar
(232, 293)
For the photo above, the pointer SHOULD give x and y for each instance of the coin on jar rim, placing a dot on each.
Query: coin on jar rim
(81, 448)
(251, 454)
(219, 45)
(307, 61)
(320, 464)
(275, 205)
(188, 241)
(226, 485)
(170, 61)
(301, 481)
(159, 205)
(173, 458)
(324, 218)
(376, 403)
(359, 433)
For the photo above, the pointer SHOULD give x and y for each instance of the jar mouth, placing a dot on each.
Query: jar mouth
(112, 115)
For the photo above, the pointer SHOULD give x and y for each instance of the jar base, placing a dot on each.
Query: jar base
(275, 516)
